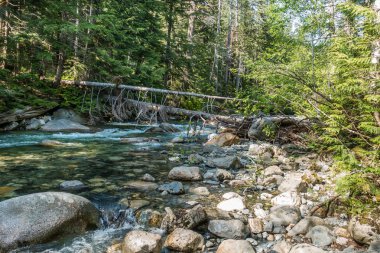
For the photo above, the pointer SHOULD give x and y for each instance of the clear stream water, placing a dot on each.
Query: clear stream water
(102, 162)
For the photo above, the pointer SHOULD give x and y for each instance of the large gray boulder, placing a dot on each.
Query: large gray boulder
(321, 236)
(364, 230)
(304, 225)
(40, 217)
(230, 229)
(185, 173)
(63, 125)
(284, 215)
(69, 115)
(227, 162)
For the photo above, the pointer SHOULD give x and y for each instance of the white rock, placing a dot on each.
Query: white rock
(286, 199)
(233, 204)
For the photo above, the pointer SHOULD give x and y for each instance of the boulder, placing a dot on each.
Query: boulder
(141, 185)
(184, 173)
(304, 225)
(141, 242)
(235, 246)
(40, 217)
(184, 240)
(232, 204)
(286, 199)
(303, 248)
(292, 182)
(72, 185)
(256, 225)
(362, 231)
(193, 217)
(321, 236)
(284, 215)
(172, 188)
(63, 125)
(230, 229)
(227, 162)
(35, 124)
(68, 115)
(224, 139)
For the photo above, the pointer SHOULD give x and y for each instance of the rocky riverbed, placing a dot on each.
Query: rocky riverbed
(133, 189)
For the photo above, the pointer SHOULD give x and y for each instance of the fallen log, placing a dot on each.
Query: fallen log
(18, 115)
(140, 88)
(184, 112)
(251, 127)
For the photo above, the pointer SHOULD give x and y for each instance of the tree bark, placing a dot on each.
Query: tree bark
(59, 70)
(5, 27)
(76, 40)
(190, 33)
(228, 47)
(168, 56)
(215, 65)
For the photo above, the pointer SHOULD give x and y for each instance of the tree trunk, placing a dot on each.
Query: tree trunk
(190, 33)
(145, 89)
(59, 70)
(228, 47)
(76, 40)
(376, 54)
(5, 27)
(168, 56)
(215, 65)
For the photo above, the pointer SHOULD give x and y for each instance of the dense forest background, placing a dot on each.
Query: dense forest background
(315, 58)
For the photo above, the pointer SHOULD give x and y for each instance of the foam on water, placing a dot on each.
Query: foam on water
(32, 138)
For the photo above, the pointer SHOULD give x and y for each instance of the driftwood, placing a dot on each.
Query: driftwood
(145, 89)
(240, 125)
(184, 112)
(18, 115)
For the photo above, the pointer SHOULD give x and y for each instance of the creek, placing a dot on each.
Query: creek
(104, 164)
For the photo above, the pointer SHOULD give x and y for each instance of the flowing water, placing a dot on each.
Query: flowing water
(101, 161)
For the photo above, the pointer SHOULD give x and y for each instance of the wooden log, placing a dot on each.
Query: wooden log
(147, 89)
(18, 115)
(185, 112)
